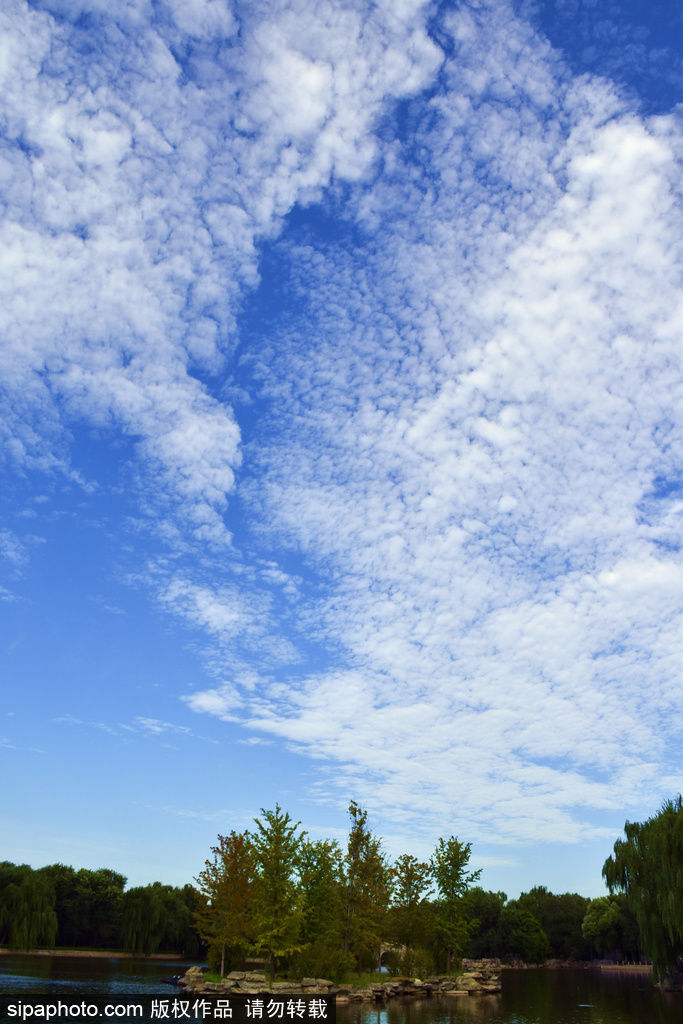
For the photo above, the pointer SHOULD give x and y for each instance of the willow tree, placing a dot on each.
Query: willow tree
(141, 920)
(27, 907)
(648, 867)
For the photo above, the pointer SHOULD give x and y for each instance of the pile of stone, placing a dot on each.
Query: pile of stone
(251, 983)
(479, 977)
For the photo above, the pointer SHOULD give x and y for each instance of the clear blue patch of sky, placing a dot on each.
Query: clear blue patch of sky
(636, 43)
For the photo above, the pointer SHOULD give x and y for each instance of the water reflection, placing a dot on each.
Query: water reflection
(95, 976)
(537, 997)
(529, 997)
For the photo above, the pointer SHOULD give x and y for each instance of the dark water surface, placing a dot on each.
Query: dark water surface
(539, 997)
(72, 976)
(528, 997)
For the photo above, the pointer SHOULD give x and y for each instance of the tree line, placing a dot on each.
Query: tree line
(82, 909)
(316, 908)
(321, 908)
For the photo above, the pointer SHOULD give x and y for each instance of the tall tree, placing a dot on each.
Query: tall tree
(224, 908)
(368, 887)
(648, 867)
(412, 887)
(322, 934)
(449, 868)
(277, 845)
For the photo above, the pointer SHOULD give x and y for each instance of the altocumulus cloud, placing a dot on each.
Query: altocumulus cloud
(470, 428)
(144, 153)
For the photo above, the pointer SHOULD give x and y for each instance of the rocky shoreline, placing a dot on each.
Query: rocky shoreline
(478, 977)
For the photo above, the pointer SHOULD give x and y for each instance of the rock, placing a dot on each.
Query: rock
(479, 977)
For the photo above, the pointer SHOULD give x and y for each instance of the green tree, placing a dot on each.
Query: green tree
(142, 919)
(66, 905)
(97, 907)
(409, 916)
(521, 935)
(602, 925)
(367, 890)
(449, 869)
(561, 918)
(27, 907)
(322, 932)
(277, 846)
(225, 897)
(648, 867)
(482, 910)
(179, 934)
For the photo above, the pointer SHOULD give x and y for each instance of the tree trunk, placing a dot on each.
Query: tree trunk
(272, 970)
(222, 960)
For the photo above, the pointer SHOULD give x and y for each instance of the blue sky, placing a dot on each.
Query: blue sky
(340, 382)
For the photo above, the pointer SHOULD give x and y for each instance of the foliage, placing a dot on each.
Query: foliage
(610, 927)
(449, 869)
(409, 917)
(521, 935)
(225, 905)
(561, 918)
(482, 910)
(27, 907)
(88, 905)
(410, 962)
(141, 927)
(322, 931)
(367, 890)
(157, 917)
(277, 847)
(648, 867)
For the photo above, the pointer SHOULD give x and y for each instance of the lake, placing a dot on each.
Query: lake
(73, 975)
(539, 997)
(529, 997)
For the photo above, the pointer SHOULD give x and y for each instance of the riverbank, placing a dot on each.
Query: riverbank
(91, 954)
(478, 977)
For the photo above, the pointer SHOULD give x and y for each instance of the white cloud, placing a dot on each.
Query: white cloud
(135, 201)
(472, 447)
(156, 727)
(472, 414)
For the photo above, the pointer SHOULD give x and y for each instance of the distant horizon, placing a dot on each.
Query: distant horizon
(341, 427)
